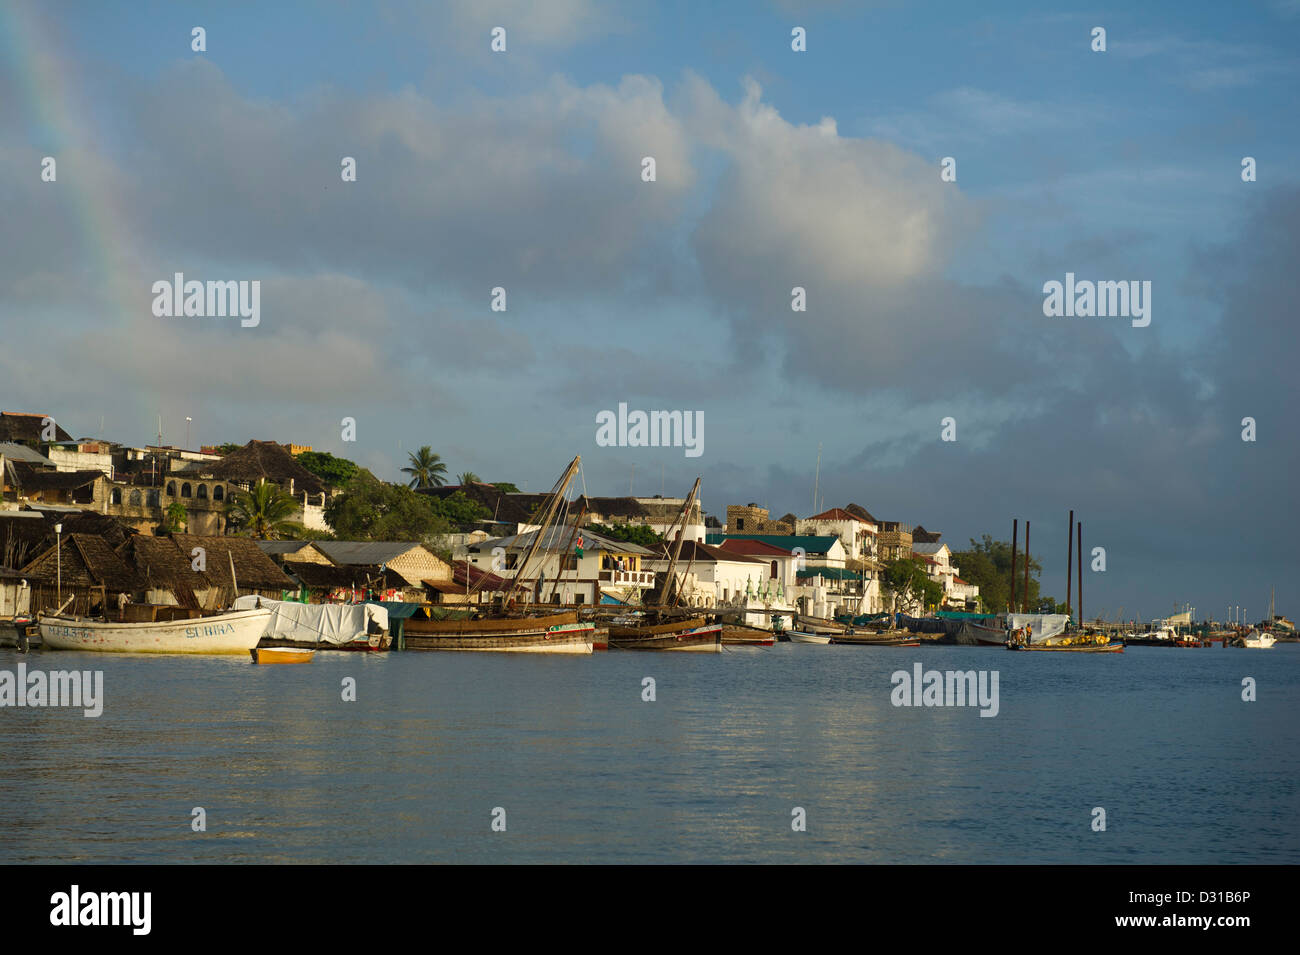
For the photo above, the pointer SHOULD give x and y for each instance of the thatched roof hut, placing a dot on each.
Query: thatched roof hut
(254, 571)
(83, 566)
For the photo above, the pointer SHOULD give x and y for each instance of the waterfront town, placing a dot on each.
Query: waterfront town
(93, 528)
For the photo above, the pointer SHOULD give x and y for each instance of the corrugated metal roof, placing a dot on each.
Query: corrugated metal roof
(363, 552)
(557, 538)
(811, 544)
(18, 452)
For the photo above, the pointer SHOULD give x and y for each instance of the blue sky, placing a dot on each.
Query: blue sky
(775, 168)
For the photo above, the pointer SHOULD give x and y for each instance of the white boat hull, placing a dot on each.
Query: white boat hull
(235, 632)
(798, 636)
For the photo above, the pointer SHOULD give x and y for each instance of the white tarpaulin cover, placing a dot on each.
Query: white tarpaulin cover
(335, 624)
(1042, 626)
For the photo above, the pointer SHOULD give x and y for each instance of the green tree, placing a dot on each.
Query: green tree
(332, 470)
(228, 448)
(427, 469)
(906, 579)
(632, 533)
(505, 487)
(458, 508)
(369, 509)
(262, 512)
(469, 477)
(988, 565)
(177, 517)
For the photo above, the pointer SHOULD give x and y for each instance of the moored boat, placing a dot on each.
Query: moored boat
(233, 632)
(281, 655)
(875, 640)
(747, 637)
(690, 635)
(554, 633)
(806, 636)
(1255, 640)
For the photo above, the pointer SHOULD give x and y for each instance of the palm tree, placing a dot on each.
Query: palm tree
(427, 469)
(177, 517)
(469, 477)
(264, 511)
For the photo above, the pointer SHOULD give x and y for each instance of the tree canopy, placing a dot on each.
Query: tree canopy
(906, 579)
(988, 564)
(332, 470)
(632, 533)
(370, 509)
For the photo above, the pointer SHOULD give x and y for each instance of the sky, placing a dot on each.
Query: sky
(774, 169)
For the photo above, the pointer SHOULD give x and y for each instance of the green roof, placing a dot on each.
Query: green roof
(811, 543)
(830, 573)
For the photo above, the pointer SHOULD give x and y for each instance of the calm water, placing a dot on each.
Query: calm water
(586, 771)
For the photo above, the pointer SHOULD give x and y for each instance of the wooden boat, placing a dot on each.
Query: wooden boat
(1081, 648)
(281, 655)
(689, 635)
(505, 628)
(804, 636)
(554, 633)
(234, 632)
(659, 630)
(874, 640)
(747, 637)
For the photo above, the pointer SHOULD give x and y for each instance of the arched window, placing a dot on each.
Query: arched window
(115, 496)
(152, 496)
(185, 490)
(774, 570)
(171, 488)
(135, 498)
(202, 493)
(218, 492)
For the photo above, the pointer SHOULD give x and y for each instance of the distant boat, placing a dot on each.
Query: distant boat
(876, 640)
(281, 655)
(689, 635)
(556, 633)
(807, 636)
(747, 637)
(1255, 640)
(234, 632)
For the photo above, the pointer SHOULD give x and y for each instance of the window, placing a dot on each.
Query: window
(171, 488)
(153, 497)
(512, 561)
(740, 523)
(115, 496)
(185, 490)
(202, 493)
(218, 492)
(135, 498)
(579, 599)
(774, 570)
(568, 562)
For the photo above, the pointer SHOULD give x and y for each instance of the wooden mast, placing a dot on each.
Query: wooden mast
(549, 510)
(677, 544)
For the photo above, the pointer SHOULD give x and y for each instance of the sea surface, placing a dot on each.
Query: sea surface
(580, 768)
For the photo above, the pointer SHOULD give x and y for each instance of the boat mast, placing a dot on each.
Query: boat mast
(547, 515)
(677, 545)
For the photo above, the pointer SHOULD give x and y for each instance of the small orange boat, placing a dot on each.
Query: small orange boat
(281, 655)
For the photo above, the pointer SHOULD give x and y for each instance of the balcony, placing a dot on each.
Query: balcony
(627, 578)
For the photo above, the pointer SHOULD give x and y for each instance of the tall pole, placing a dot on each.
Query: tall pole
(1069, 562)
(1015, 534)
(58, 560)
(1024, 599)
(1079, 542)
